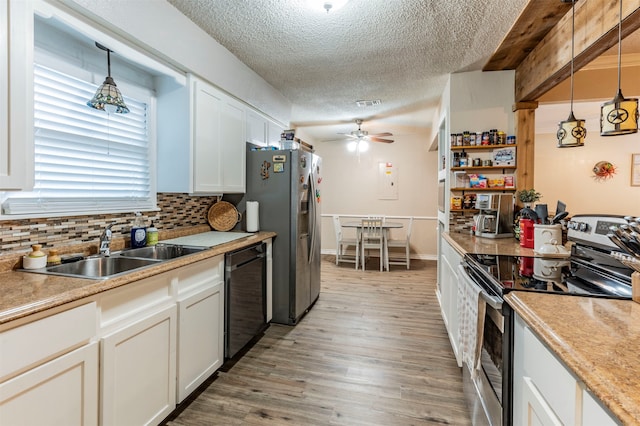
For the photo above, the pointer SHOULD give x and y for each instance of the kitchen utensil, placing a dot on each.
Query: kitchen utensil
(542, 212)
(527, 213)
(621, 244)
(560, 207)
(558, 217)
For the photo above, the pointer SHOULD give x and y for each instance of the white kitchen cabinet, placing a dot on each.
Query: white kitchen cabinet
(50, 363)
(545, 391)
(261, 130)
(201, 139)
(63, 391)
(138, 371)
(16, 95)
(449, 259)
(200, 323)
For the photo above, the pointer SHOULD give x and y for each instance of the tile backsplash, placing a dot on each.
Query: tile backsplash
(176, 210)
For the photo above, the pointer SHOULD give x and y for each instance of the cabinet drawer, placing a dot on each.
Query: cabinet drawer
(200, 275)
(33, 343)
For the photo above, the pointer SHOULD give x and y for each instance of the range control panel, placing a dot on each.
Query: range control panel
(593, 229)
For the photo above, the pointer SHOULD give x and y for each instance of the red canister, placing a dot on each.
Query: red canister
(526, 233)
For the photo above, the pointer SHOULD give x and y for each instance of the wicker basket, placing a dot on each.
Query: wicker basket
(223, 216)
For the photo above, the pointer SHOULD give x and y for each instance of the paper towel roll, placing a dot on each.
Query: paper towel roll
(252, 216)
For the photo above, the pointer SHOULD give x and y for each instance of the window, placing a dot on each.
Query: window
(86, 161)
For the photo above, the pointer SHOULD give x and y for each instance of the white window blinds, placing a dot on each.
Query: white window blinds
(85, 160)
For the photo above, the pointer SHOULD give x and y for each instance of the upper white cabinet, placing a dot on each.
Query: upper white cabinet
(16, 95)
(262, 131)
(201, 139)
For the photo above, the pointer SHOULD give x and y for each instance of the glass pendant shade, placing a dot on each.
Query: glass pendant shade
(108, 97)
(571, 132)
(619, 116)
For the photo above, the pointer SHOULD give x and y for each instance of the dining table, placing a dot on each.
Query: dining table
(386, 227)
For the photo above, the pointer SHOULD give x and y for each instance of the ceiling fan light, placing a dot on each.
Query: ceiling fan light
(571, 132)
(619, 116)
(352, 146)
(363, 146)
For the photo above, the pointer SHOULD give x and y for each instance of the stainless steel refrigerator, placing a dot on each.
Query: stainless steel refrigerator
(287, 185)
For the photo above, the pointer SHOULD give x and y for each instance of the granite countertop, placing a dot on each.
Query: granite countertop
(25, 293)
(466, 243)
(598, 339)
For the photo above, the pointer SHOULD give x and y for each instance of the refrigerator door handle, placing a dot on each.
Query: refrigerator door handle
(312, 213)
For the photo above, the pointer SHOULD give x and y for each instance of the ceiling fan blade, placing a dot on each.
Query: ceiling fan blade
(382, 134)
(374, 139)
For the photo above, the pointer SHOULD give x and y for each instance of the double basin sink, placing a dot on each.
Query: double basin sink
(119, 263)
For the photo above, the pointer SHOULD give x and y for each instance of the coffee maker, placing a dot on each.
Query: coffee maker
(495, 219)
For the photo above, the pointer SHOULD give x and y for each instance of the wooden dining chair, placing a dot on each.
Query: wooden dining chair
(372, 238)
(400, 242)
(343, 243)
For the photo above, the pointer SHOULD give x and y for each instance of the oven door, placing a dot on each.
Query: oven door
(484, 392)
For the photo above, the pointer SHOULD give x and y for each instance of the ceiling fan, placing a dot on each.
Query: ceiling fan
(360, 134)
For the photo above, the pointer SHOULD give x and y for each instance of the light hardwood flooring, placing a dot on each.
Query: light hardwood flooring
(372, 351)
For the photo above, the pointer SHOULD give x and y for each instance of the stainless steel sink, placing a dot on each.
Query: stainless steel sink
(161, 251)
(97, 267)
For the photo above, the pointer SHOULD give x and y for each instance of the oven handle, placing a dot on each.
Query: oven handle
(493, 301)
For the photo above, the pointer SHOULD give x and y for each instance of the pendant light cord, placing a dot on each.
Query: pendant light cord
(573, 19)
(619, 44)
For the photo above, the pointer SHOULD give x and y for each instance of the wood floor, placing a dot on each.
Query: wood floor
(372, 351)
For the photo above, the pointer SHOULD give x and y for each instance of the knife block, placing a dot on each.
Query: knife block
(635, 283)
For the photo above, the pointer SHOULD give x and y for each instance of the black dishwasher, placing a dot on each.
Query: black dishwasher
(245, 297)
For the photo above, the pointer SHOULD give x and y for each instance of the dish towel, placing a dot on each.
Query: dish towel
(472, 308)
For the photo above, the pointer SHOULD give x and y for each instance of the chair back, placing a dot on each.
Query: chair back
(409, 226)
(372, 227)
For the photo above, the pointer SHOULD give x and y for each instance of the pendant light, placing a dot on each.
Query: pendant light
(571, 132)
(108, 97)
(619, 116)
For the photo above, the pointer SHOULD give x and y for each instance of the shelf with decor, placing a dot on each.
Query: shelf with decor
(472, 168)
(465, 210)
(494, 189)
(480, 147)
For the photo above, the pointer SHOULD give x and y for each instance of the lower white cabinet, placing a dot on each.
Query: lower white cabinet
(200, 338)
(63, 391)
(545, 392)
(138, 371)
(448, 262)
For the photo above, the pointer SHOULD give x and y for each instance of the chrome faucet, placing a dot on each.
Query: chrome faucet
(105, 241)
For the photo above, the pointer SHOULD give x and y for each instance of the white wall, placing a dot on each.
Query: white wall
(158, 27)
(350, 187)
(566, 173)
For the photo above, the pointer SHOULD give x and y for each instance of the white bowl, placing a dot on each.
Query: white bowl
(34, 262)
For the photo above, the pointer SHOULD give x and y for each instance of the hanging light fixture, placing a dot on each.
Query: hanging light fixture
(329, 5)
(108, 97)
(571, 132)
(619, 116)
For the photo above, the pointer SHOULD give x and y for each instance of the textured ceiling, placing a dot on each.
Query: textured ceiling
(398, 51)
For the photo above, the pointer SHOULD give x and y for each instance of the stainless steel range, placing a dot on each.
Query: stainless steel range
(590, 270)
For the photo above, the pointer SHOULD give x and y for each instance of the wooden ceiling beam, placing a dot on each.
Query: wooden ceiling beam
(596, 31)
(536, 19)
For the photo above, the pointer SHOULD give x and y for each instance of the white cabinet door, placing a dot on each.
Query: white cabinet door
(256, 128)
(448, 267)
(219, 142)
(593, 413)
(16, 111)
(138, 371)
(63, 391)
(200, 338)
(233, 149)
(207, 170)
(274, 133)
(536, 410)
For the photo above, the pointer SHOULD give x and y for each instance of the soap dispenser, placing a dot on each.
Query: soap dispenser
(138, 232)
